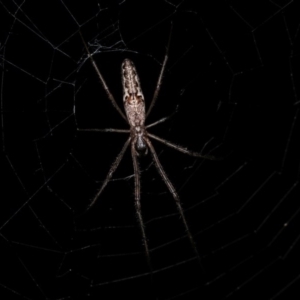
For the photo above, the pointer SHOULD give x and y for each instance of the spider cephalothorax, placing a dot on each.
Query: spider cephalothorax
(139, 135)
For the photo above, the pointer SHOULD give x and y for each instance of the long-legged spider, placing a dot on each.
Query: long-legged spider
(139, 138)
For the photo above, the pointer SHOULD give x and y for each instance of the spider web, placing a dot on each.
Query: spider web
(232, 84)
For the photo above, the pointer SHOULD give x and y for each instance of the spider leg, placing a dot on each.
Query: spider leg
(180, 148)
(109, 94)
(162, 119)
(161, 74)
(158, 122)
(110, 173)
(104, 130)
(175, 196)
(137, 196)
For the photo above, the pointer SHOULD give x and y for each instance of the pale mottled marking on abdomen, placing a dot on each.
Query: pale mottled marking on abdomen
(133, 97)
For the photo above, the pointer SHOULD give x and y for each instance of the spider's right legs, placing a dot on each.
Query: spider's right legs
(161, 74)
(163, 119)
(175, 196)
(181, 149)
(137, 196)
(110, 173)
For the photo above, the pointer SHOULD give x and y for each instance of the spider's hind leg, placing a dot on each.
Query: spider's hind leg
(137, 197)
(110, 173)
(175, 196)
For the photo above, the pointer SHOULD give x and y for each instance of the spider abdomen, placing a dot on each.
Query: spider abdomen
(133, 97)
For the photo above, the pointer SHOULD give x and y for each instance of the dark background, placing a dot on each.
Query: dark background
(233, 79)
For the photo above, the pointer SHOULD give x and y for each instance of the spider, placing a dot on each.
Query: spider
(139, 138)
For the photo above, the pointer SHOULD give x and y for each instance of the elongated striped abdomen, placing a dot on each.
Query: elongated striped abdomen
(133, 97)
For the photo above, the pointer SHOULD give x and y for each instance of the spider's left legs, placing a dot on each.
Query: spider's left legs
(104, 130)
(101, 78)
(110, 172)
(137, 198)
(175, 196)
